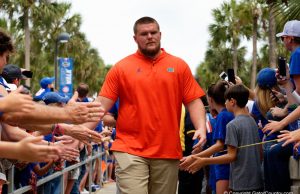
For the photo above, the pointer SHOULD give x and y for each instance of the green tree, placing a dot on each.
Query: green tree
(229, 27)
(47, 21)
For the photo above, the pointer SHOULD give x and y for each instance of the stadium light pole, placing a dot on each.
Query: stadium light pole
(62, 38)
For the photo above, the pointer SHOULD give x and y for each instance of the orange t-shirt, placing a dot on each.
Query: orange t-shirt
(151, 93)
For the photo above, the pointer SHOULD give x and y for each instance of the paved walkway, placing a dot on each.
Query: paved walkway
(109, 188)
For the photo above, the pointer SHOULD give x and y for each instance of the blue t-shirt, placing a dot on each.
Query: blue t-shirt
(40, 94)
(25, 174)
(294, 62)
(258, 117)
(219, 132)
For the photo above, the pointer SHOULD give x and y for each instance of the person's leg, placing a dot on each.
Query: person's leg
(132, 173)
(83, 181)
(222, 178)
(163, 176)
(69, 186)
(75, 188)
(279, 161)
(222, 186)
(56, 185)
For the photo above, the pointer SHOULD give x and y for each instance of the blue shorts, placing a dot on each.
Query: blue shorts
(222, 172)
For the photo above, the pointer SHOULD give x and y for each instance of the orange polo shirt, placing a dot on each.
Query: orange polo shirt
(151, 93)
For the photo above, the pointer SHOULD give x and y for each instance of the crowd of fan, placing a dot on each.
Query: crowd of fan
(251, 134)
(43, 134)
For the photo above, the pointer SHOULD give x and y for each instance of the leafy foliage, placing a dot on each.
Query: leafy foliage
(47, 21)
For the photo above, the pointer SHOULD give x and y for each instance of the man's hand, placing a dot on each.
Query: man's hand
(201, 135)
(28, 149)
(68, 152)
(273, 126)
(186, 162)
(196, 165)
(82, 112)
(82, 133)
(17, 102)
(278, 112)
(290, 137)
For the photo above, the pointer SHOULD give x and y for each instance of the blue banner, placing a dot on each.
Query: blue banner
(66, 76)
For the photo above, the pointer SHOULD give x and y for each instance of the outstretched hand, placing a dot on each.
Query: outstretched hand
(272, 126)
(84, 134)
(290, 137)
(29, 149)
(68, 152)
(82, 112)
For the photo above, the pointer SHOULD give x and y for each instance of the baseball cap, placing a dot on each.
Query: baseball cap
(11, 72)
(3, 177)
(45, 81)
(54, 97)
(291, 28)
(266, 78)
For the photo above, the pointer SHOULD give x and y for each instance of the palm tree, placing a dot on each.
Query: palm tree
(229, 28)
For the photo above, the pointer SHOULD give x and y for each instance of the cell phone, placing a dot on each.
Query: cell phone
(231, 76)
(282, 66)
(223, 76)
(276, 98)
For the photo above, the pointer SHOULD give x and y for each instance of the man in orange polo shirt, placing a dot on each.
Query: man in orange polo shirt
(151, 85)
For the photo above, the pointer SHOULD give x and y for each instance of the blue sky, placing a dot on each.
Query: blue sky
(184, 26)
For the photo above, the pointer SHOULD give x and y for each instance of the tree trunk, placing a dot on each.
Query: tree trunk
(27, 41)
(254, 52)
(272, 37)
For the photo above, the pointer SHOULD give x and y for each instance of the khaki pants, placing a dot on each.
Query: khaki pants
(138, 175)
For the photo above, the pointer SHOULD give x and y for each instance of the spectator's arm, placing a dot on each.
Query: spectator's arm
(28, 149)
(42, 170)
(14, 134)
(224, 159)
(73, 112)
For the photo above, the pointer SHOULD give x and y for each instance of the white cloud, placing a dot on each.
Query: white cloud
(184, 26)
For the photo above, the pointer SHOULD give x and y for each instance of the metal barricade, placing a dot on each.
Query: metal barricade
(89, 161)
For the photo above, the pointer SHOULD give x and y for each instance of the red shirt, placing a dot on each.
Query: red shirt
(151, 93)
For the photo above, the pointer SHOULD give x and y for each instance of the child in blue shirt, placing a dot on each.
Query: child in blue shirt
(216, 101)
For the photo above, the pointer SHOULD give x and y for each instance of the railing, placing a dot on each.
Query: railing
(89, 161)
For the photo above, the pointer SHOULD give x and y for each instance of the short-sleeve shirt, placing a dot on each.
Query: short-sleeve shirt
(294, 62)
(151, 93)
(219, 132)
(245, 171)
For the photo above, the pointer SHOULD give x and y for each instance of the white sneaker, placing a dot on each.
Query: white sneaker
(84, 192)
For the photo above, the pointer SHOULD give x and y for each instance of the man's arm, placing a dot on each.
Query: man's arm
(197, 114)
(73, 112)
(14, 134)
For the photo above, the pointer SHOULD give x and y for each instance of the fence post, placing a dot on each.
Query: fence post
(106, 166)
(62, 180)
(294, 167)
(11, 179)
(100, 168)
(90, 175)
